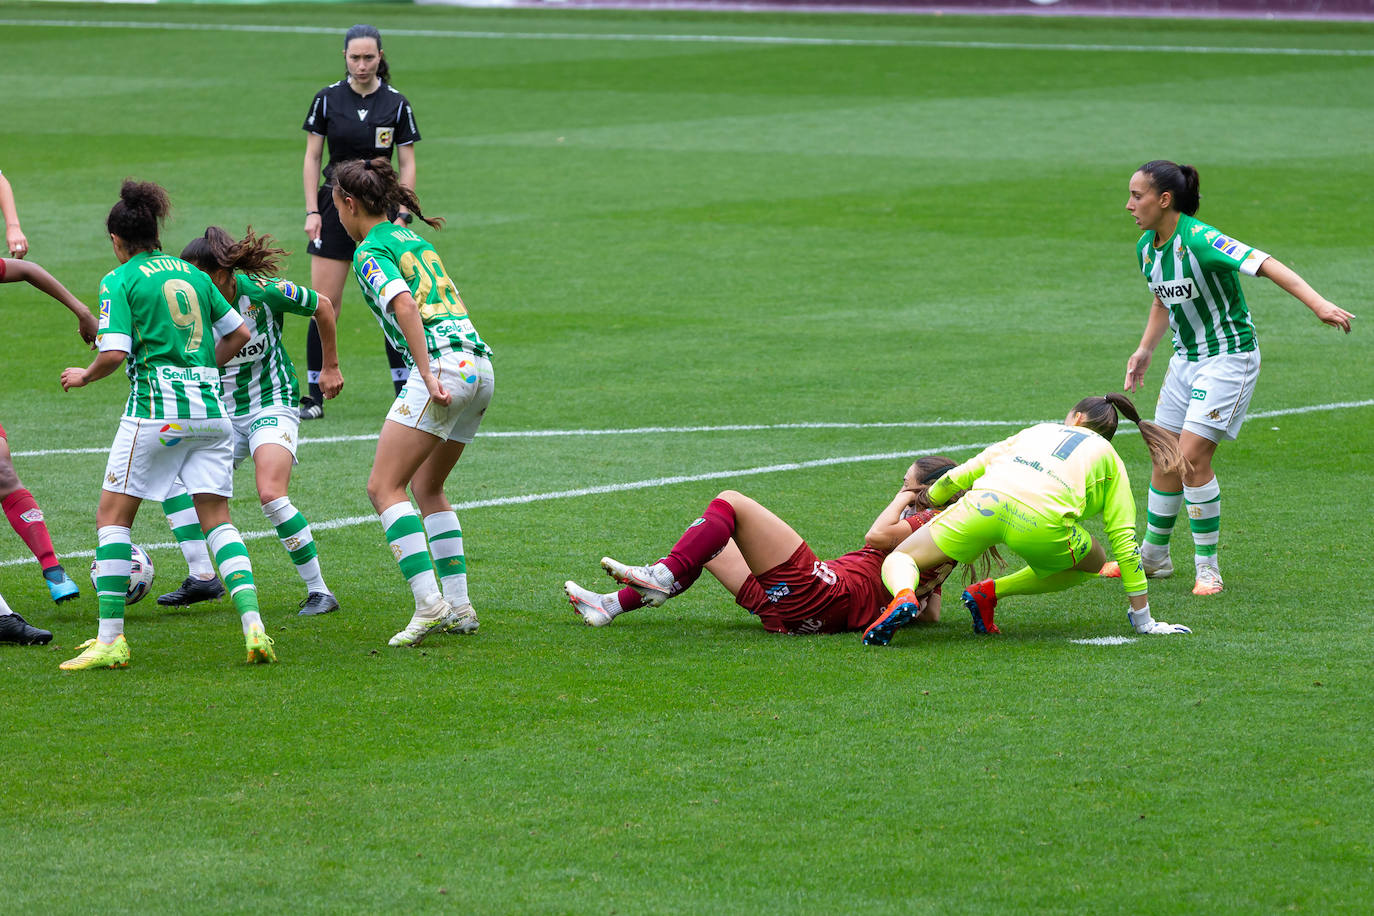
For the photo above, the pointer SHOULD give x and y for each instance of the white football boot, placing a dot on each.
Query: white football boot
(654, 583)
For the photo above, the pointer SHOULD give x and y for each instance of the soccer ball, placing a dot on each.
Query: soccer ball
(140, 576)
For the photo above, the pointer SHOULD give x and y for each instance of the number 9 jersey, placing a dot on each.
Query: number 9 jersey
(166, 315)
(392, 260)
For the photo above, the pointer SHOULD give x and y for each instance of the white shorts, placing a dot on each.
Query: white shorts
(468, 378)
(148, 456)
(269, 426)
(1208, 397)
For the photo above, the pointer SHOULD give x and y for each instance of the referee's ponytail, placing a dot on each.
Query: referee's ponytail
(1100, 415)
(376, 188)
(369, 31)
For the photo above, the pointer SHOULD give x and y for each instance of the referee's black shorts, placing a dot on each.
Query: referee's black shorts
(334, 242)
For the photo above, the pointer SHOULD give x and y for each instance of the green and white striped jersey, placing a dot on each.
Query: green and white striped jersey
(165, 314)
(392, 260)
(1194, 273)
(262, 374)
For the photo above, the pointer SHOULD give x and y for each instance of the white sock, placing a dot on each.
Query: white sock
(111, 628)
(5, 610)
(611, 605)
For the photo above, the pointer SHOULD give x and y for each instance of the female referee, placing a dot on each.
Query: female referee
(175, 329)
(1031, 492)
(1192, 270)
(772, 572)
(438, 411)
(360, 117)
(260, 393)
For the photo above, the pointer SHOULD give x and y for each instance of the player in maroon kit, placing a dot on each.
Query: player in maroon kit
(771, 571)
(22, 511)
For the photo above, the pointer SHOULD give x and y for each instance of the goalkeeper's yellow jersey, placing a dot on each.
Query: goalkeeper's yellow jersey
(1061, 472)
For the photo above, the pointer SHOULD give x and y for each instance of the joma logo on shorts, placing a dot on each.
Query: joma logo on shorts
(260, 422)
(1199, 394)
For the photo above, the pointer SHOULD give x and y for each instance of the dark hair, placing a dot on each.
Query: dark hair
(374, 184)
(369, 31)
(217, 250)
(138, 216)
(1100, 416)
(1179, 180)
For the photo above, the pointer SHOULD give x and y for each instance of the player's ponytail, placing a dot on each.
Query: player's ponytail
(1100, 415)
(370, 31)
(218, 250)
(137, 217)
(377, 189)
(1181, 181)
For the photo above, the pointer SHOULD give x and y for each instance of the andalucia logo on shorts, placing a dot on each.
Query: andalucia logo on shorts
(170, 434)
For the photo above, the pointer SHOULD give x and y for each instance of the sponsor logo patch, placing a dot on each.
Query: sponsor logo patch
(807, 627)
(776, 593)
(372, 274)
(260, 422)
(33, 515)
(1199, 394)
(1229, 246)
(383, 137)
(288, 289)
(1175, 292)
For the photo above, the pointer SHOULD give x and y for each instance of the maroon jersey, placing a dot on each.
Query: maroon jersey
(805, 595)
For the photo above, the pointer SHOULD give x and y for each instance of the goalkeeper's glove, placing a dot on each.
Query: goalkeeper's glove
(1144, 623)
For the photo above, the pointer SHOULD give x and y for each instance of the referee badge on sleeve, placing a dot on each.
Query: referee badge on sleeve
(383, 137)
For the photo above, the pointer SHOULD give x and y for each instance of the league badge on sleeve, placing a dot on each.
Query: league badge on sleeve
(372, 274)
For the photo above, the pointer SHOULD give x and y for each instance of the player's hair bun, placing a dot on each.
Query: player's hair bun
(146, 199)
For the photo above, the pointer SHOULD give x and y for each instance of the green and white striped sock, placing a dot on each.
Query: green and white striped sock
(294, 533)
(180, 510)
(1204, 518)
(406, 535)
(237, 572)
(451, 565)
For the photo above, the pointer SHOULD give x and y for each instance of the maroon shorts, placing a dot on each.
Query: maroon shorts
(804, 595)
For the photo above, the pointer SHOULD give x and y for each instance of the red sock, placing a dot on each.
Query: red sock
(27, 521)
(702, 540)
(629, 599)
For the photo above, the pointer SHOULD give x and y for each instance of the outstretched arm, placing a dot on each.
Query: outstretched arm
(14, 236)
(1156, 325)
(34, 274)
(1288, 280)
(105, 363)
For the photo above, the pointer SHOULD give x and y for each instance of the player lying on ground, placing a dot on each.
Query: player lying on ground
(772, 572)
(24, 515)
(1030, 492)
(167, 319)
(260, 393)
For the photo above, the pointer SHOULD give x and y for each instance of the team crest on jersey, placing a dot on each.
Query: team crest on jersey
(372, 274)
(383, 137)
(1229, 246)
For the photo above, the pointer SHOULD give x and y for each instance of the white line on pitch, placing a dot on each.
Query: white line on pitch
(728, 428)
(355, 520)
(705, 39)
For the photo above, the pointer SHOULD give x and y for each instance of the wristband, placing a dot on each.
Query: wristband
(406, 218)
(312, 212)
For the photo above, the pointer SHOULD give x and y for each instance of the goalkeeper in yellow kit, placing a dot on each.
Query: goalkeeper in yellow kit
(1030, 492)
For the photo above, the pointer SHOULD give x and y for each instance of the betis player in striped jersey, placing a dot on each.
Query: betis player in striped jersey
(174, 329)
(1032, 492)
(1192, 270)
(438, 411)
(262, 396)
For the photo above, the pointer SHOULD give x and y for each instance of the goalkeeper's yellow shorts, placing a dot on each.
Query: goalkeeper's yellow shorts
(986, 518)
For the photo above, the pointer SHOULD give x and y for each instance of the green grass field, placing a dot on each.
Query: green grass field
(887, 220)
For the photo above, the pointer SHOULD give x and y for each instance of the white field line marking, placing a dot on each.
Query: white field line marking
(1105, 641)
(355, 520)
(739, 427)
(708, 39)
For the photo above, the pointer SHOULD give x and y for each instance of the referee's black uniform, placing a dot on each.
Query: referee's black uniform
(354, 127)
